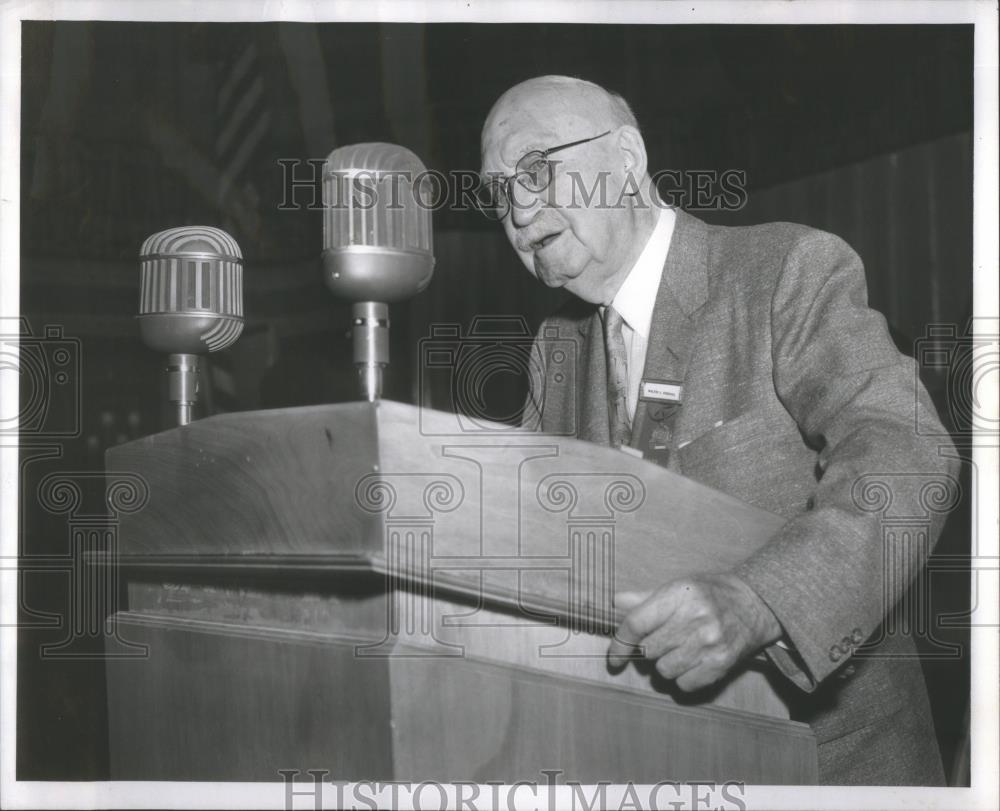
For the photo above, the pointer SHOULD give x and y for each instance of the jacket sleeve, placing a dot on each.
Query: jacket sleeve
(833, 573)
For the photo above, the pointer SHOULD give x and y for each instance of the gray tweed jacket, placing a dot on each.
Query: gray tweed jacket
(796, 400)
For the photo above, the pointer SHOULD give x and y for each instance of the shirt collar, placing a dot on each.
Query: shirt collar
(636, 297)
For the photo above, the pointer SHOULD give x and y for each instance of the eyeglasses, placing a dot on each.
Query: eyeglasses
(532, 172)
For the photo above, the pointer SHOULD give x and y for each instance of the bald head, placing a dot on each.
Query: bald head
(562, 97)
(584, 228)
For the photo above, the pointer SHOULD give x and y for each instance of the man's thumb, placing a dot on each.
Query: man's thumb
(627, 600)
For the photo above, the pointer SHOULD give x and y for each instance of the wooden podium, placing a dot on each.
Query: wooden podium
(386, 593)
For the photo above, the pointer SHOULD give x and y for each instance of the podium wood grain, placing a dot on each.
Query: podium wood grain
(368, 574)
(285, 484)
(220, 700)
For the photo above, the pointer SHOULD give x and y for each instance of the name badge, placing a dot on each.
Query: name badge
(660, 391)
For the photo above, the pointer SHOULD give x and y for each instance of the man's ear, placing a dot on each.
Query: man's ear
(633, 150)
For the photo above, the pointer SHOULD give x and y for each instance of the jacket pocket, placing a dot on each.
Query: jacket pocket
(725, 438)
(756, 458)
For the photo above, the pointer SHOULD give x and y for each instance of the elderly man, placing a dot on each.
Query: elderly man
(748, 359)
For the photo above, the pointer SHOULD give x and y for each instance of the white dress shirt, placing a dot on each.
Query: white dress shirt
(636, 298)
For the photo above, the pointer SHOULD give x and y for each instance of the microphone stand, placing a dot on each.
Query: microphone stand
(182, 382)
(370, 336)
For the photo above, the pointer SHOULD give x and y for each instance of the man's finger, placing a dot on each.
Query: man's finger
(640, 622)
(669, 635)
(701, 675)
(679, 660)
(625, 638)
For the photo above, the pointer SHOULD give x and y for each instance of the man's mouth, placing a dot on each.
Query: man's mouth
(548, 239)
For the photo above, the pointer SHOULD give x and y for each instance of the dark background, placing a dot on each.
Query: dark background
(131, 128)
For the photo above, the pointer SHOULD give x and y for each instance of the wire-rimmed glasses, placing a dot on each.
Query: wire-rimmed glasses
(533, 172)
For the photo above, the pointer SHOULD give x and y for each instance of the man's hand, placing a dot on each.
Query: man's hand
(696, 628)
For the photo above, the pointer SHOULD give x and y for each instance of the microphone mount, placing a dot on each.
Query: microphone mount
(190, 303)
(377, 243)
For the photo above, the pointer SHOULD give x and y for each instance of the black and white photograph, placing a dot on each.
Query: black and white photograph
(499, 405)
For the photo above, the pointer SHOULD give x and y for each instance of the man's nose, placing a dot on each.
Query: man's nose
(524, 205)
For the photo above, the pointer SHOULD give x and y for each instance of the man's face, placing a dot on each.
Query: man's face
(563, 240)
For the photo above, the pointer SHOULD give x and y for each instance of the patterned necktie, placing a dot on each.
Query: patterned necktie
(619, 424)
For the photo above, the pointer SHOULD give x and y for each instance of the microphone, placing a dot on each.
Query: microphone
(377, 243)
(190, 302)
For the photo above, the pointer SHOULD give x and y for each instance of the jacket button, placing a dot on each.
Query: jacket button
(835, 653)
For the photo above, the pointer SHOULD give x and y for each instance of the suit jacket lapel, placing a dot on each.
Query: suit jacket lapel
(683, 290)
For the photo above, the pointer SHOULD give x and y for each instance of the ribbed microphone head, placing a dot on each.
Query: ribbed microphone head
(191, 290)
(377, 238)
